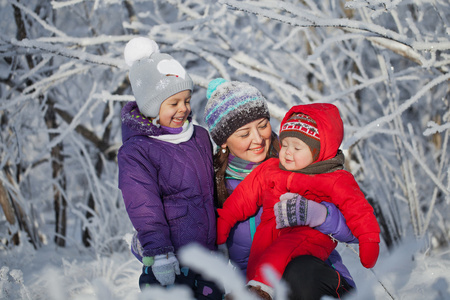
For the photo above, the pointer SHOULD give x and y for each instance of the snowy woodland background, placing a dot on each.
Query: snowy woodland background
(63, 82)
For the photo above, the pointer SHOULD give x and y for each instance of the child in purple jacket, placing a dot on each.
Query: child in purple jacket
(165, 169)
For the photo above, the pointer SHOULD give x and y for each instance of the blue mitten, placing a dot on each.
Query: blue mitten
(164, 267)
(294, 210)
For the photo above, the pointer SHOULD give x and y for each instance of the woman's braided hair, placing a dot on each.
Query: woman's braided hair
(220, 167)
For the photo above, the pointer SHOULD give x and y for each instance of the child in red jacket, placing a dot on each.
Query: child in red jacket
(309, 164)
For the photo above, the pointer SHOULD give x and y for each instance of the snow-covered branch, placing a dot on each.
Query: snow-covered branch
(63, 82)
(80, 55)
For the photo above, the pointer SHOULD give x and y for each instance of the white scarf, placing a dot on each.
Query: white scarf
(183, 136)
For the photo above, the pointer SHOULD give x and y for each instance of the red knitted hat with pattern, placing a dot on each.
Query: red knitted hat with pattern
(303, 127)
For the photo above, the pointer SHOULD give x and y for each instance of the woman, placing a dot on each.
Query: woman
(238, 121)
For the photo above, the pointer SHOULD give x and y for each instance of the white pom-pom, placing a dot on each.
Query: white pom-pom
(139, 48)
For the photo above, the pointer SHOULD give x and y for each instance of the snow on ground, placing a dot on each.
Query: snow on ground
(409, 272)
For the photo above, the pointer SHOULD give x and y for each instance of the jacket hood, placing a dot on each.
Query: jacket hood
(135, 123)
(329, 125)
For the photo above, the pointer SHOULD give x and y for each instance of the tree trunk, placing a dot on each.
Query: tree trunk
(60, 202)
(9, 212)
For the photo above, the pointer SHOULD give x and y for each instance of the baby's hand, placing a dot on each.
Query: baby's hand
(294, 210)
(288, 196)
(368, 254)
(223, 230)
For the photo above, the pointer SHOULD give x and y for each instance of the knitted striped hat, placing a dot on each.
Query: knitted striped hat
(231, 105)
(303, 127)
(154, 76)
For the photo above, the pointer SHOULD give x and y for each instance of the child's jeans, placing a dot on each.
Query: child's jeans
(202, 289)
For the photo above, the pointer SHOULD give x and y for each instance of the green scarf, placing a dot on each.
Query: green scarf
(239, 169)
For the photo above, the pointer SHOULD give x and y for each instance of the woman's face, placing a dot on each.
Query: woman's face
(251, 142)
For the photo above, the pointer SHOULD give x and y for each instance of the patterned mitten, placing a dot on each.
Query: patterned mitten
(164, 267)
(294, 210)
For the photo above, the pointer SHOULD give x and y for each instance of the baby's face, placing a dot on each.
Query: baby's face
(295, 154)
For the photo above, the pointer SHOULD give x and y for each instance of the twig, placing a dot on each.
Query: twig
(373, 272)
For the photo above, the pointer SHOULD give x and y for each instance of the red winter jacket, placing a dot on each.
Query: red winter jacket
(264, 185)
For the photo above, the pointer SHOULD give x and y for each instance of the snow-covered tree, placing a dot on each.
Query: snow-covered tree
(63, 81)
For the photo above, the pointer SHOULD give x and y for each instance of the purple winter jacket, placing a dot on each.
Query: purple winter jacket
(167, 188)
(239, 241)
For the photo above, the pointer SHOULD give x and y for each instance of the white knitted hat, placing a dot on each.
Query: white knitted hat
(154, 76)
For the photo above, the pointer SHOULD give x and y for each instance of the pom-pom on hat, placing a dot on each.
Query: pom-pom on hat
(231, 105)
(303, 127)
(154, 76)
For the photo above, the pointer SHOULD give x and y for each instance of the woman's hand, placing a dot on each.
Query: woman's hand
(294, 209)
